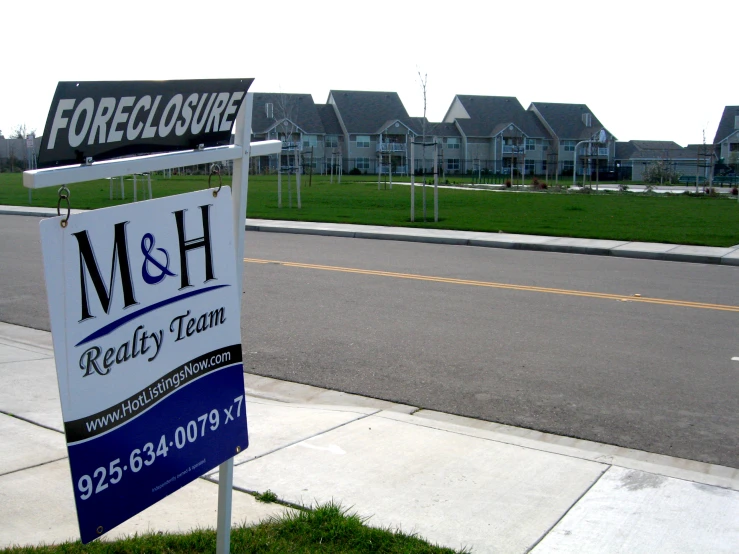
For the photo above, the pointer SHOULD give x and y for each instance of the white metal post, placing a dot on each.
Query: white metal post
(279, 186)
(436, 182)
(239, 189)
(297, 174)
(413, 182)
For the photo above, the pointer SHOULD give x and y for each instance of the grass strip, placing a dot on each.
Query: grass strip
(326, 529)
(622, 216)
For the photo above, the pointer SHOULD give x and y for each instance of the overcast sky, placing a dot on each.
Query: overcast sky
(648, 69)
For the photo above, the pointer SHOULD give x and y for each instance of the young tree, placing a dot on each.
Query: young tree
(21, 132)
(423, 79)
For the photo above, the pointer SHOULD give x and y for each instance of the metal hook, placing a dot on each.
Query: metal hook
(215, 169)
(64, 194)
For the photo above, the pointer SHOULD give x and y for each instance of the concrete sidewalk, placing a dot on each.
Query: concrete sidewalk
(624, 249)
(455, 481)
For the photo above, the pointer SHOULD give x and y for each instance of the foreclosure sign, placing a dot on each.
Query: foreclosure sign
(103, 120)
(145, 322)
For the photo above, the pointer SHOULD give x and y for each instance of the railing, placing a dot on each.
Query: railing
(509, 149)
(593, 151)
(391, 147)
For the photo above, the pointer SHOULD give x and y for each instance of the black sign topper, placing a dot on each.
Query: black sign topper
(111, 119)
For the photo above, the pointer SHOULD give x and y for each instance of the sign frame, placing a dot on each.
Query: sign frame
(239, 153)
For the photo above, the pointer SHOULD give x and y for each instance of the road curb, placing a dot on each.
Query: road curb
(620, 251)
(535, 243)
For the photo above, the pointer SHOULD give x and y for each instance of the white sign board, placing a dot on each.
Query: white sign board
(144, 314)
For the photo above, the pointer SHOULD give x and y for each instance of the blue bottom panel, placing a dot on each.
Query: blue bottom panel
(119, 474)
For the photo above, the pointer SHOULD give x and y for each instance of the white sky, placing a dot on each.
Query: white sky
(648, 69)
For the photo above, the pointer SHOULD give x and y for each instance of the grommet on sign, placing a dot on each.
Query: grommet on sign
(215, 169)
(99, 530)
(64, 193)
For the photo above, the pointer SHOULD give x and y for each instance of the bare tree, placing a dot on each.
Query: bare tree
(21, 132)
(287, 131)
(423, 79)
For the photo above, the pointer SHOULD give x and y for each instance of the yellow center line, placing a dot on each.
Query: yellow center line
(450, 280)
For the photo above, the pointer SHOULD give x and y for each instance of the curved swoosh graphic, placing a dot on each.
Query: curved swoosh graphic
(113, 325)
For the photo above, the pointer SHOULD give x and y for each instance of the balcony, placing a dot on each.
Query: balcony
(391, 147)
(510, 149)
(595, 152)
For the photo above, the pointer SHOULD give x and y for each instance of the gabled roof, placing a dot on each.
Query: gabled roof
(366, 111)
(566, 120)
(490, 115)
(328, 117)
(298, 108)
(405, 125)
(443, 130)
(726, 126)
(652, 150)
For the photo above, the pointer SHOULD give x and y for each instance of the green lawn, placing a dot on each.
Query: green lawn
(327, 529)
(679, 219)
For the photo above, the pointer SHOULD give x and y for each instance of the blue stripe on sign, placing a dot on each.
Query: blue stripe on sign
(113, 325)
(119, 474)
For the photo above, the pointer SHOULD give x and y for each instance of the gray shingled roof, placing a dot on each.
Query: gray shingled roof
(298, 108)
(726, 125)
(489, 115)
(652, 149)
(365, 112)
(566, 120)
(443, 130)
(328, 117)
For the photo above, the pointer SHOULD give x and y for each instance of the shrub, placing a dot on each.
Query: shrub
(508, 183)
(735, 191)
(661, 172)
(355, 171)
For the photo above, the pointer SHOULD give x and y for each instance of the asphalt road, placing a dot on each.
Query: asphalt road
(480, 332)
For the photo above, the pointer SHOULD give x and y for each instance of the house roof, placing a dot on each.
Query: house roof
(489, 115)
(298, 108)
(328, 117)
(726, 126)
(366, 111)
(566, 120)
(652, 150)
(443, 130)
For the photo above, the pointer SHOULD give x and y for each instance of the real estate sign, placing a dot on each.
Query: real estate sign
(100, 120)
(145, 322)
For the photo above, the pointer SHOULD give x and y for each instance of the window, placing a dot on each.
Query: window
(310, 141)
(362, 163)
(543, 166)
(363, 141)
(530, 144)
(452, 143)
(332, 141)
(734, 147)
(569, 145)
(452, 164)
(530, 167)
(567, 165)
(545, 145)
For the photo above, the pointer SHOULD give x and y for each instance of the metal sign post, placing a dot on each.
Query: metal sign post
(128, 466)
